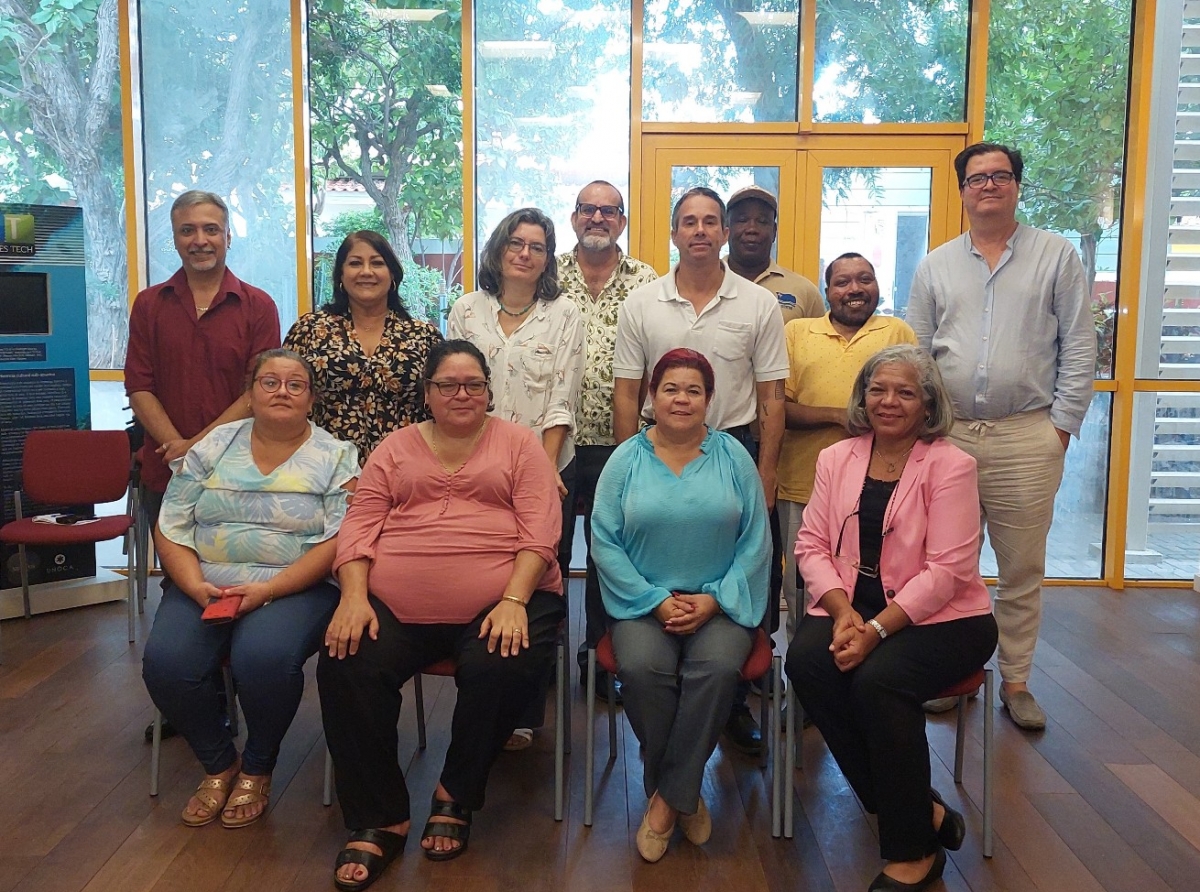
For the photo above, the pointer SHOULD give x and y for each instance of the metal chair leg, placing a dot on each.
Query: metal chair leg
(130, 570)
(989, 759)
(776, 765)
(419, 696)
(21, 558)
(327, 788)
(560, 722)
(155, 751)
(790, 748)
(589, 758)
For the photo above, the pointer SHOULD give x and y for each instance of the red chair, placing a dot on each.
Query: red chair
(74, 468)
(562, 721)
(761, 661)
(984, 676)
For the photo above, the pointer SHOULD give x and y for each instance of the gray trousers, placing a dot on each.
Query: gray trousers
(678, 690)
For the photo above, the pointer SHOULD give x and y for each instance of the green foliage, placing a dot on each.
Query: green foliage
(375, 119)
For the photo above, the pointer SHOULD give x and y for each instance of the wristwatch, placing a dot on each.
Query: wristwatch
(878, 627)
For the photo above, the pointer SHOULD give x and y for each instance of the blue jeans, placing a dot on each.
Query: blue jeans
(267, 649)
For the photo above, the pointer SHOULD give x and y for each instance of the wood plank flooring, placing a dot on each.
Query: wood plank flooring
(1106, 800)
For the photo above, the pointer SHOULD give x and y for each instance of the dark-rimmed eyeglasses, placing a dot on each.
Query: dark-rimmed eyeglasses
(979, 180)
(607, 211)
(271, 384)
(517, 245)
(451, 388)
(864, 569)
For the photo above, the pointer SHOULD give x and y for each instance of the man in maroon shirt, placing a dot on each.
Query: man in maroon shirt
(192, 340)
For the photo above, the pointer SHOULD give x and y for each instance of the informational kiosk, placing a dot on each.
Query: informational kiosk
(43, 370)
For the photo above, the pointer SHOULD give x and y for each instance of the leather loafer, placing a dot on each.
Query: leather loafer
(1023, 710)
(884, 883)
(954, 827)
(743, 732)
(939, 705)
(698, 827)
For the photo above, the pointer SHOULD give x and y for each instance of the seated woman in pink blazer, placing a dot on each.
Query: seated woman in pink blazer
(897, 612)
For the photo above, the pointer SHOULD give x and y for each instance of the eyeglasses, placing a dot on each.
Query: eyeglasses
(979, 180)
(270, 384)
(517, 245)
(864, 569)
(607, 211)
(451, 388)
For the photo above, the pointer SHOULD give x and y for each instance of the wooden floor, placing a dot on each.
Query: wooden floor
(1107, 799)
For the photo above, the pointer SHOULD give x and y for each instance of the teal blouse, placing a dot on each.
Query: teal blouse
(704, 531)
(246, 526)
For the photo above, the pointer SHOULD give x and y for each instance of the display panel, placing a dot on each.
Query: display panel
(24, 303)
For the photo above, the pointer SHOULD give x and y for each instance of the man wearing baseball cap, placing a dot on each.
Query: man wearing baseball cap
(753, 224)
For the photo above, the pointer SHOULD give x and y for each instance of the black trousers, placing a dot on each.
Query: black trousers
(360, 706)
(871, 717)
(590, 461)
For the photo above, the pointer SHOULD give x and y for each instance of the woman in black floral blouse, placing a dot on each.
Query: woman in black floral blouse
(367, 350)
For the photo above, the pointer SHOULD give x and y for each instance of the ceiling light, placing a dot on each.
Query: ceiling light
(516, 49)
(404, 15)
(772, 19)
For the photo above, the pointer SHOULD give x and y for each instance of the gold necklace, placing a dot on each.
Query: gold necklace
(470, 448)
(891, 465)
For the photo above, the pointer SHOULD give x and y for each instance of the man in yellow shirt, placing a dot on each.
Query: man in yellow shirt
(824, 355)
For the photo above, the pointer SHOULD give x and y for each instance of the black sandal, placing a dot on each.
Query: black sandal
(391, 844)
(439, 808)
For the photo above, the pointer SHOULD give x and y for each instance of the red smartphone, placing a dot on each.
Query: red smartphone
(221, 610)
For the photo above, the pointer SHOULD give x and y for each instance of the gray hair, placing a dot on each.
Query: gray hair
(193, 197)
(940, 412)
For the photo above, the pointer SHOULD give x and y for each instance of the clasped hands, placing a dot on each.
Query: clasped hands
(853, 640)
(684, 614)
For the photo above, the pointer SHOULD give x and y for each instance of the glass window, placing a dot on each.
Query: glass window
(63, 145)
(385, 95)
(1073, 175)
(704, 61)
(891, 62)
(1074, 549)
(883, 214)
(217, 116)
(552, 106)
(1164, 487)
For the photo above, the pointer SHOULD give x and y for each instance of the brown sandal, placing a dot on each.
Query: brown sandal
(247, 792)
(213, 793)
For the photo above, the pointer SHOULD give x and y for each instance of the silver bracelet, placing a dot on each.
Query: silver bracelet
(878, 627)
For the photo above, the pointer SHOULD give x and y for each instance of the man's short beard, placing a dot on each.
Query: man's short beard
(596, 242)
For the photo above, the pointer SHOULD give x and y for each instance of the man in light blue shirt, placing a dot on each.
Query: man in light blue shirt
(1004, 309)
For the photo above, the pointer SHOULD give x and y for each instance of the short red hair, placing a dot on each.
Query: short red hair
(684, 358)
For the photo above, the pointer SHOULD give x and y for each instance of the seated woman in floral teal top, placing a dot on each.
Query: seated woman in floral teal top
(679, 536)
(252, 511)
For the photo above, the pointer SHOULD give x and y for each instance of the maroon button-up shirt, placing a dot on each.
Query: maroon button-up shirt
(196, 367)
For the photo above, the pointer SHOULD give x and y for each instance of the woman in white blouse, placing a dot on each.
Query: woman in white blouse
(533, 340)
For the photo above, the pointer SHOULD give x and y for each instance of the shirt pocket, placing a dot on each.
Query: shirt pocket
(732, 342)
(537, 367)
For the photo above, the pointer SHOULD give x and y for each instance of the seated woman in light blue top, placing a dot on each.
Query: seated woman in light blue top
(252, 510)
(680, 540)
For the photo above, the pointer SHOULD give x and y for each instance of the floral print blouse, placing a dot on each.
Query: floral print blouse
(360, 398)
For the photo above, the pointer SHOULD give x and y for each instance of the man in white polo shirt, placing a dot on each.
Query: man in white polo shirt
(736, 324)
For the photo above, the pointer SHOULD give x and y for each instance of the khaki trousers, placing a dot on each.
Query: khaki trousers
(1020, 462)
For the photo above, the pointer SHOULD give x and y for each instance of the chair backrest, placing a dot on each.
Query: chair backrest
(68, 467)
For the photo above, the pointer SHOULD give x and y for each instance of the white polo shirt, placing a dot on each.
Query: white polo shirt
(740, 332)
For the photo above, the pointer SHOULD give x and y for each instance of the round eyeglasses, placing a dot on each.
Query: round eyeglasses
(517, 245)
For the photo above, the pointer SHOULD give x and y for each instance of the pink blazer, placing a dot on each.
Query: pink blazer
(929, 563)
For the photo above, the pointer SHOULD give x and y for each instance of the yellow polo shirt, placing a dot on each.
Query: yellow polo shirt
(823, 366)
